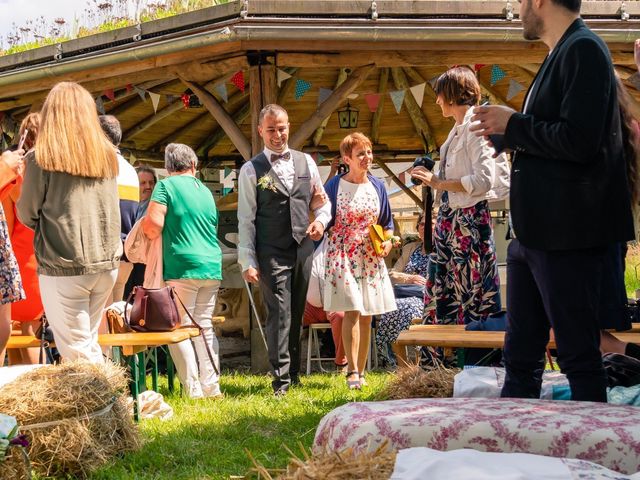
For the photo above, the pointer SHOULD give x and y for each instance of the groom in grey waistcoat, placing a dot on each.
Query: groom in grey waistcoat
(275, 191)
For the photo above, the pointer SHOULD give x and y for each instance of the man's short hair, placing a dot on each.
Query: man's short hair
(111, 127)
(271, 109)
(571, 5)
(147, 169)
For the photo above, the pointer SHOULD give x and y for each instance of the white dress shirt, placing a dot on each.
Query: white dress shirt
(285, 171)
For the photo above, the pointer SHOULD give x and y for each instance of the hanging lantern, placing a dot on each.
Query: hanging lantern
(348, 116)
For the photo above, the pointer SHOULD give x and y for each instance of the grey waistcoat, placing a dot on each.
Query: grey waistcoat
(282, 217)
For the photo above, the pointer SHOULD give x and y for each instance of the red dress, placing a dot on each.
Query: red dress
(31, 308)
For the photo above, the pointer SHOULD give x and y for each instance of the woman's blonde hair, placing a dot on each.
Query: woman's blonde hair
(70, 138)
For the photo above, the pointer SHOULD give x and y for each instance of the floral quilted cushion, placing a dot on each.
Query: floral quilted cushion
(608, 435)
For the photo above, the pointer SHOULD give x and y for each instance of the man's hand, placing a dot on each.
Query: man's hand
(251, 275)
(490, 120)
(424, 175)
(636, 53)
(14, 160)
(315, 230)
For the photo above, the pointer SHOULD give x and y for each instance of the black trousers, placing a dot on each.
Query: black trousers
(560, 290)
(284, 279)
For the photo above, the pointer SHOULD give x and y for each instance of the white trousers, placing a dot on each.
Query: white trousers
(123, 275)
(192, 362)
(73, 306)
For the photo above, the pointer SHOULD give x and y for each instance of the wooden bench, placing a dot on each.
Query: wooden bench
(455, 336)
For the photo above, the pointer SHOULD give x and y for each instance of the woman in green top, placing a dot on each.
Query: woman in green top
(183, 211)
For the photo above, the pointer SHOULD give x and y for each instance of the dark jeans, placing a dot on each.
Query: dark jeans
(559, 289)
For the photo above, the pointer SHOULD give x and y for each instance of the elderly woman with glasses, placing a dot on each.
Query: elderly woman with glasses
(183, 211)
(408, 276)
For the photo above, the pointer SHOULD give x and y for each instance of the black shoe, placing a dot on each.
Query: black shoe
(279, 393)
(295, 381)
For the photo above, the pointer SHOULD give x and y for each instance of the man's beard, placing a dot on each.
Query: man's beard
(532, 24)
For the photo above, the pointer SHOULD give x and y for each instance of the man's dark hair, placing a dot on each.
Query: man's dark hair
(571, 5)
(147, 169)
(111, 127)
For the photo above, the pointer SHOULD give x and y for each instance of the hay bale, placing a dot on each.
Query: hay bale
(74, 415)
(415, 382)
(15, 465)
(343, 465)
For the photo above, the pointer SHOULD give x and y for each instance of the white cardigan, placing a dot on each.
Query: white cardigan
(469, 158)
(139, 249)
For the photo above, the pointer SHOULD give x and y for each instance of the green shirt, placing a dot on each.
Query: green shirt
(190, 235)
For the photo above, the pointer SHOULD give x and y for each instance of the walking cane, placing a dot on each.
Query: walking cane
(255, 312)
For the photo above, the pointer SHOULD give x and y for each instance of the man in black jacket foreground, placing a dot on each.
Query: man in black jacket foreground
(569, 201)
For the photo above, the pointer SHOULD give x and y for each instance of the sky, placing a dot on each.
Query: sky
(18, 11)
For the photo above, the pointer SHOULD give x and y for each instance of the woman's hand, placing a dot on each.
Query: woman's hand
(416, 280)
(387, 245)
(425, 176)
(14, 160)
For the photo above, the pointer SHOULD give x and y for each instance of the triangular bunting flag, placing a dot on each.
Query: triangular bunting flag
(397, 97)
(282, 76)
(418, 93)
(432, 81)
(155, 100)
(100, 105)
(142, 93)
(227, 171)
(323, 94)
(403, 177)
(221, 90)
(110, 94)
(479, 66)
(302, 87)
(514, 89)
(388, 181)
(635, 80)
(319, 158)
(129, 87)
(238, 80)
(497, 74)
(373, 100)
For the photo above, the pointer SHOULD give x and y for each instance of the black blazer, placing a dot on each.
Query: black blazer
(568, 181)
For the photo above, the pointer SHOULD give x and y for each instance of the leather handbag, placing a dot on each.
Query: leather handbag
(622, 370)
(156, 310)
(153, 310)
(376, 233)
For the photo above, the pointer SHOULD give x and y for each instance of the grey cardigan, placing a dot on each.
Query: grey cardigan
(76, 221)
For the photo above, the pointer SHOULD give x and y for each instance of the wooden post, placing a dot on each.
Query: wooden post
(397, 181)
(377, 116)
(262, 91)
(223, 118)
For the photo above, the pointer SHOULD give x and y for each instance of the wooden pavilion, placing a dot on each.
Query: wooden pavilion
(313, 57)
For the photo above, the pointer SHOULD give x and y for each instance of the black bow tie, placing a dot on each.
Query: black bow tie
(281, 156)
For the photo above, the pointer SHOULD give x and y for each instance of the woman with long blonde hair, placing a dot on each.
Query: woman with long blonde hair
(70, 200)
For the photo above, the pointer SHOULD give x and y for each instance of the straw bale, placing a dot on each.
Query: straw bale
(15, 465)
(343, 465)
(415, 382)
(87, 406)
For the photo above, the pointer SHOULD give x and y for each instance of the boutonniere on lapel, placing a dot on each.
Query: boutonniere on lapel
(266, 182)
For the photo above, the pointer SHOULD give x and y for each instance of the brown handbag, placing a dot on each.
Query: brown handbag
(156, 310)
(153, 310)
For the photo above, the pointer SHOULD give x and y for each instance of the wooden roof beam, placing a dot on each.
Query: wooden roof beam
(225, 120)
(317, 136)
(377, 116)
(325, 109)
(494, 96)
(418, 118)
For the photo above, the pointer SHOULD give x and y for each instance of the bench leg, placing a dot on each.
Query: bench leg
(142, 372)
(401, 355)
(154, 370)
(171, 375)
(134, 385)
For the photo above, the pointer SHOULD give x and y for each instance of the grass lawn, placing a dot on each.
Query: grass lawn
(206, 439)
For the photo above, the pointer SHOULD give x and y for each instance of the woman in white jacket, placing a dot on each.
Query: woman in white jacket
(466, 285)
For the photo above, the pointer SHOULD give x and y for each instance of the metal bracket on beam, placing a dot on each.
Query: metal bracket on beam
(244, 11)
(58, 55)
(374, 11)
(509, 11)
(624, 15)
(138, 36)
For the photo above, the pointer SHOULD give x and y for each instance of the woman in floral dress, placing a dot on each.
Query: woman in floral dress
(410, 269)
(356, 277)
(466, 286)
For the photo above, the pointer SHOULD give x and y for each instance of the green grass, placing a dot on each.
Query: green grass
(206, 439)
(632, 271)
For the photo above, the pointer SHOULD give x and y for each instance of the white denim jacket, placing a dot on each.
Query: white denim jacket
(469, 158)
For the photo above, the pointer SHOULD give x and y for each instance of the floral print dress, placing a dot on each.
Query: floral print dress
(356, 278)
(10, 283)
